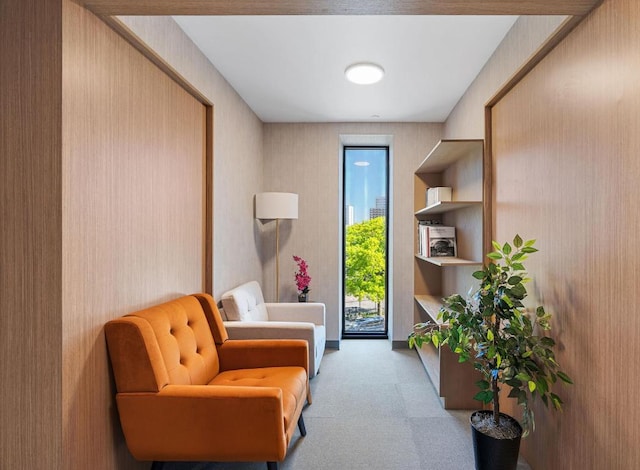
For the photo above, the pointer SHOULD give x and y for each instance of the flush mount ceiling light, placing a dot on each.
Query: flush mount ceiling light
(364, 73)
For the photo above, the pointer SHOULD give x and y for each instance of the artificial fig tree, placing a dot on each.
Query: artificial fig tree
(504, 340)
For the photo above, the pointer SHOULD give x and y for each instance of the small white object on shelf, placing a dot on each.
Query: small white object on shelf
(438, 194)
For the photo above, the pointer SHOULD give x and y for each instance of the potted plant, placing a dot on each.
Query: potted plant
(504, 340)
(303, 280)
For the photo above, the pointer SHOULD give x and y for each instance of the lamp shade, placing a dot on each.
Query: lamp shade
(276, 206)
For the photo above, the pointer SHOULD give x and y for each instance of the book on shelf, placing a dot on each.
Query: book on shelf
(436, 240)
(423, 234)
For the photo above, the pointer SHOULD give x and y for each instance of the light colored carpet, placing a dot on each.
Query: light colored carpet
(373, 409)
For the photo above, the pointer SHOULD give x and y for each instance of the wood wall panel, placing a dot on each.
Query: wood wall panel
(133, 209)
(30, 234)
(237, 145)
(526, 36)
(340, 7)
(566, 172)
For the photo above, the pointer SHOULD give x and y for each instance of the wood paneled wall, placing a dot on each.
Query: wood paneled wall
(30, 234)
(339, 7)
(132, 220)
(566, 172)
(237, 145)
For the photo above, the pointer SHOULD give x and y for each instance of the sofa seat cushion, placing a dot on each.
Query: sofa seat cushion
(291, 380)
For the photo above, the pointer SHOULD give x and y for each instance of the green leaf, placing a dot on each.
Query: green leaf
(542, 385)
(514, 383)
(435, 340)
(532, 385)
(478, 274)
(522, 397)
(490, 335)
(548, 342)
(517, 241)
(518, 267)
(496, 245)
(529, 249)
(485, 396)
(529, 242)
(483, 384)
(540, 312)
(564, 377)
(506, 249)
(513, 280)
(523, 376)
(494, 255)
(557, 402)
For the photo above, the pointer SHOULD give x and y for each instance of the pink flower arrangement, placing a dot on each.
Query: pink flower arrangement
(302, 276)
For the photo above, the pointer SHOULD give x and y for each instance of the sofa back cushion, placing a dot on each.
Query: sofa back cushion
(176, 339)
(245, 303)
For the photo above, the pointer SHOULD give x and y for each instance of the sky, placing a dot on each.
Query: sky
(364, 183)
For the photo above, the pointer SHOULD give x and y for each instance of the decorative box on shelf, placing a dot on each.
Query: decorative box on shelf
(438, 194)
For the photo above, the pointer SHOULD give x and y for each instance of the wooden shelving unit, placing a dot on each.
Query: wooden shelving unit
(446, 206)
(450, 162)
(448, 261)
(430, 305)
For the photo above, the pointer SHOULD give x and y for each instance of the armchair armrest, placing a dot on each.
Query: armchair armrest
(313, 312)
(203, 422)
(270, 330)
(254, 353)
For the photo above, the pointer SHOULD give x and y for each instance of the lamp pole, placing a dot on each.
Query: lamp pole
(276, 206)
(277, 260)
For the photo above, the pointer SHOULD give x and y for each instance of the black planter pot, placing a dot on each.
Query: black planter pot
(495, 454)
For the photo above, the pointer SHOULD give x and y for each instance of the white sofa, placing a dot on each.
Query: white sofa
(247, 316)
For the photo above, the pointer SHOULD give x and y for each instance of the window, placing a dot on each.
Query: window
(365, 258)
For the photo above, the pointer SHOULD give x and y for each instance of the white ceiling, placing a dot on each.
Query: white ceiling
(291, 68)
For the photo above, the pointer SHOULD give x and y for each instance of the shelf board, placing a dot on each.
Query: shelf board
(430, 357)
(446, 206)
(448, 261)
(430, 304)
(448, 151)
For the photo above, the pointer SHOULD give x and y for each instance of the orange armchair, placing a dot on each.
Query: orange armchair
(185, 392)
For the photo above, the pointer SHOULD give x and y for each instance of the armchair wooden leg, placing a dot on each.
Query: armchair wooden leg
(301, 427)
(272, 465)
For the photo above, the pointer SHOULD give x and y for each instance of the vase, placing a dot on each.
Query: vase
(302, 297)
(491, 453)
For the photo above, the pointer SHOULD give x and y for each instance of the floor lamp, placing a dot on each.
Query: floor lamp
(276, 206)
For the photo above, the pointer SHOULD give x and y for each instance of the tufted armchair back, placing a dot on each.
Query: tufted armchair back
(168, 344)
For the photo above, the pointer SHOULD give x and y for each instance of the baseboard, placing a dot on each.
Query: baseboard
(402, 344)
(332, 344)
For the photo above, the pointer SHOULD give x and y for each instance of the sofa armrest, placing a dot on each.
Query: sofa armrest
(270, 330)
(254, 353)
(313, 312)
(203, 422)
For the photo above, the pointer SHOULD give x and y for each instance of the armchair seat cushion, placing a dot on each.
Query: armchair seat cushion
(291, 380)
